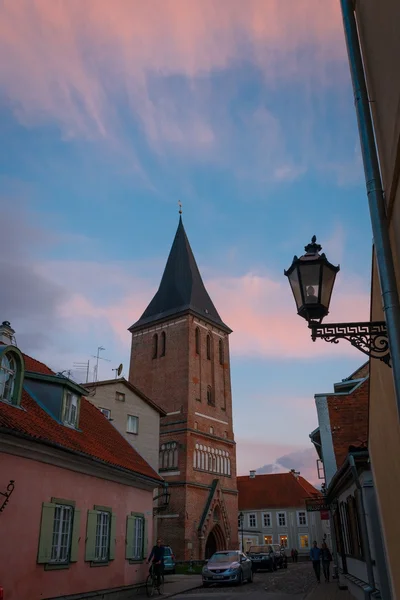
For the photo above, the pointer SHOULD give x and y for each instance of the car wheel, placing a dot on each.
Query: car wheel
(250, 577)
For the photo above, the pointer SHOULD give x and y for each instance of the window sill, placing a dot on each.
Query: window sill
(56, 566)
(136, 561)
(132, 433)
(99, 563)
(211, 472)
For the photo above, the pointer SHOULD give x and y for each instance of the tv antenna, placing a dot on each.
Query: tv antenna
(97, 357)
(82, 366)
(118, 370)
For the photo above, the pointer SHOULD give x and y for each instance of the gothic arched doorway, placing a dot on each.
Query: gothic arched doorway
(215, 541)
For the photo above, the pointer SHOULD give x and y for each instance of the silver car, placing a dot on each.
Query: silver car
(228, 566)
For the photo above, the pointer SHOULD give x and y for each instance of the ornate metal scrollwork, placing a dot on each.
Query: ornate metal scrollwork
(371, 337)
(7, 494)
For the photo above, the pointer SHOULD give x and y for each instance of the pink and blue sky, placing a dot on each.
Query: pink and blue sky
(112, 111)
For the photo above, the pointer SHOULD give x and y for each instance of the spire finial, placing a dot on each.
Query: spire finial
(180, 207)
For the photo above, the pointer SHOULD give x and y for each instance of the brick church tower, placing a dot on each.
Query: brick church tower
(180, 359)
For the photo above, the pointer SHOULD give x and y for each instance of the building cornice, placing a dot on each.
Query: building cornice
(23, 446)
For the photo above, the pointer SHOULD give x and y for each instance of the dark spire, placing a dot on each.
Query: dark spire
(181, 289)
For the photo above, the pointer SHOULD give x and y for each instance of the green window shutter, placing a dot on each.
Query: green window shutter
(46, 532)
(145, 540)
(91, 535)
(113, 533)
(130, 528)
(75, 536)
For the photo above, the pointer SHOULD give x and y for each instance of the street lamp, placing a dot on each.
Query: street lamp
(241, 517)
(311, 279)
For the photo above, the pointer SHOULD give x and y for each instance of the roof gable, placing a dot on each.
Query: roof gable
(132, 388)
(181, 288)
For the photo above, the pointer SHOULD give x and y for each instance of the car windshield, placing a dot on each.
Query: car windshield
(223, 557)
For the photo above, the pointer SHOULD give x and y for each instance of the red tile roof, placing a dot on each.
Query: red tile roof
(348, 415)
(278, 490)
(97, 437)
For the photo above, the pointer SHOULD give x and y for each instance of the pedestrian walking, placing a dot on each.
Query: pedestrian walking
(292, 554)
(315, 555)
(296, 554)
(326, 561)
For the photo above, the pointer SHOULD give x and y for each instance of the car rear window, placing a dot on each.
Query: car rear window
(167, 552)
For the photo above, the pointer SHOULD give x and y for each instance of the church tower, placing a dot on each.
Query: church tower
(180, 359)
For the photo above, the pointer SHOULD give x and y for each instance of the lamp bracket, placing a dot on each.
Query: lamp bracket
(369, 337)
(7, 494)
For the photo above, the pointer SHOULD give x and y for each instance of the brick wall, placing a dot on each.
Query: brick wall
(178, 383)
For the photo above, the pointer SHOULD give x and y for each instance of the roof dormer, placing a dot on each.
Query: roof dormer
(11, 374)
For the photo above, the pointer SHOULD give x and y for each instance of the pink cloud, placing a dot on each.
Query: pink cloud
(61, 61)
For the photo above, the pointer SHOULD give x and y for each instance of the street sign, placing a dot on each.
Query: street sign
(324, 515)
(316, 504)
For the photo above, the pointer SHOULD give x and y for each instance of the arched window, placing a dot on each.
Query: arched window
(197, 340)
(155, 345)
(169, 456)
(163, 341)
(11, 375)
(210, 399)
(208, 347)
(221, 352)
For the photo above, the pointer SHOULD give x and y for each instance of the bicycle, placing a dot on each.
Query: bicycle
(151, 583)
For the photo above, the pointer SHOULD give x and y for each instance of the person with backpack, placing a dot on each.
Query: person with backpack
(326, 561)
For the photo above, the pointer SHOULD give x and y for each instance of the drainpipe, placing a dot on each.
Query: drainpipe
(376, 199)
(364, 531)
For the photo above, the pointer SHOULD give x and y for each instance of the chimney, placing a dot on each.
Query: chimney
(6, 333)
(295, 473)
(252, 474)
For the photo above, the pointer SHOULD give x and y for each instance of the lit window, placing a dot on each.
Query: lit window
(210, 399)
(62, 532)
(303, 541)
(221, 352)
(155, 345)
(106, 412)
(301, 518)
(267, 539)
(252, 520)
(208, 347)
(163, 342)
(283, 540)
(71, 409)
(281, 519)
(132, 424)
(197, 340)
(120, 396)
(267, 519)
(8, 372)
(138, 538)
(102, 544)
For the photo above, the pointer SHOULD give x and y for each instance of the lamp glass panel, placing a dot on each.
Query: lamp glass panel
(295, 285)
(310, 282)
(328, 280)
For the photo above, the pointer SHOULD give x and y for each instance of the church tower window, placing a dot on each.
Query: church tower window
(155, 345)
(168, 456)
(163, 343)
(221, 352)
(210, 399)
(197, 340)
(208, 347)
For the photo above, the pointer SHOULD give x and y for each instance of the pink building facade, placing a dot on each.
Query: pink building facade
(80, 517)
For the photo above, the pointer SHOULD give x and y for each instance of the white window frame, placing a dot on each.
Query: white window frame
(71, 406)
(281, 512)
(301, 512)
(287, 539)
(61, 541)
(269, 515)
(106, 412)
(308, 541)
(102, 542)
(138, 538)
(249, 520)
(128, 428)
(8, 376)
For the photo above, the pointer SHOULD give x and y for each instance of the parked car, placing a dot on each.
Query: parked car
(169, 560)
(228, 566)
(262, 557)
